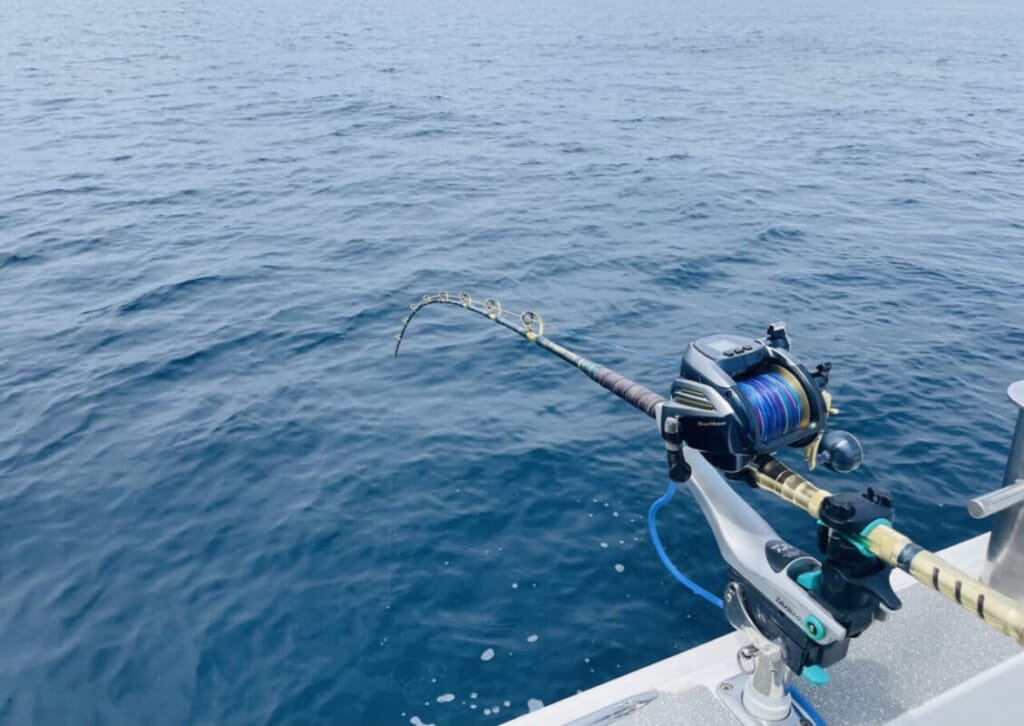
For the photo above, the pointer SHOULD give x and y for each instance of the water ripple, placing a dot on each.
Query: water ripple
(223, 501)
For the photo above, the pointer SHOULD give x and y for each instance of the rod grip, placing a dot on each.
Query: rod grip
(999, 611)
(631, 392)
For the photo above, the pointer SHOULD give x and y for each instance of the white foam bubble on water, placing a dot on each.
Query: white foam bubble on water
(507, 704)
(515, 585)
(446, 698)
(487, 654)
(472, 706)
(487, 712)
(604, 545)
(415, 721)
(473, 694)
(495, 709)
(534, 704)
(532, 638)
(619, 567)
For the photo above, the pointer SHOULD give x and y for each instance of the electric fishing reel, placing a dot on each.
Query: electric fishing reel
(737, 399)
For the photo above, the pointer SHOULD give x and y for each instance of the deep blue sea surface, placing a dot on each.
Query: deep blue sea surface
(222, 501)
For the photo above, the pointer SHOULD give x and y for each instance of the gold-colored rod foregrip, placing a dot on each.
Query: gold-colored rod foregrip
(897, 550)
(786, 484)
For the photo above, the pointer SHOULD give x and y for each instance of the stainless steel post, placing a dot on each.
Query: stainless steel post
(1004, 568)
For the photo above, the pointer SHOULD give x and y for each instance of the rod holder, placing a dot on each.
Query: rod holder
(1004, 566)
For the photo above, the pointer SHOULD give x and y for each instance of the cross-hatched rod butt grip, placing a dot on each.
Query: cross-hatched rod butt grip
(999, 611)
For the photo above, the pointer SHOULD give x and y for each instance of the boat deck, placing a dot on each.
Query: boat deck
(928, 663)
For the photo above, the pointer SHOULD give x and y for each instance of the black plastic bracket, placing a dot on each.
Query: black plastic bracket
(853, 582)
(678, 470)
(851, 513)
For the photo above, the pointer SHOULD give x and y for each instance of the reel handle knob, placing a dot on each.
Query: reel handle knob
(840, 451)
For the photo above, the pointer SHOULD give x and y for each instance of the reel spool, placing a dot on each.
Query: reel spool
(778, 402)
(737, 399)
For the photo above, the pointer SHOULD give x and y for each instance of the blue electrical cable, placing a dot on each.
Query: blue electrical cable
(801, 700)
(696, 589)
(690, 584)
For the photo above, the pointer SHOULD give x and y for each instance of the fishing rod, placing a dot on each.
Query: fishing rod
(735, 403)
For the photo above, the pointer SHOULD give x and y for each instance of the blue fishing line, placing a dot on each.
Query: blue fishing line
(775, 403)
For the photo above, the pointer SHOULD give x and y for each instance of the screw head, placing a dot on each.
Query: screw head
(726, 687)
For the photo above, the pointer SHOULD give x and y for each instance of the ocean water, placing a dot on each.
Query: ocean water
(223, 502)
